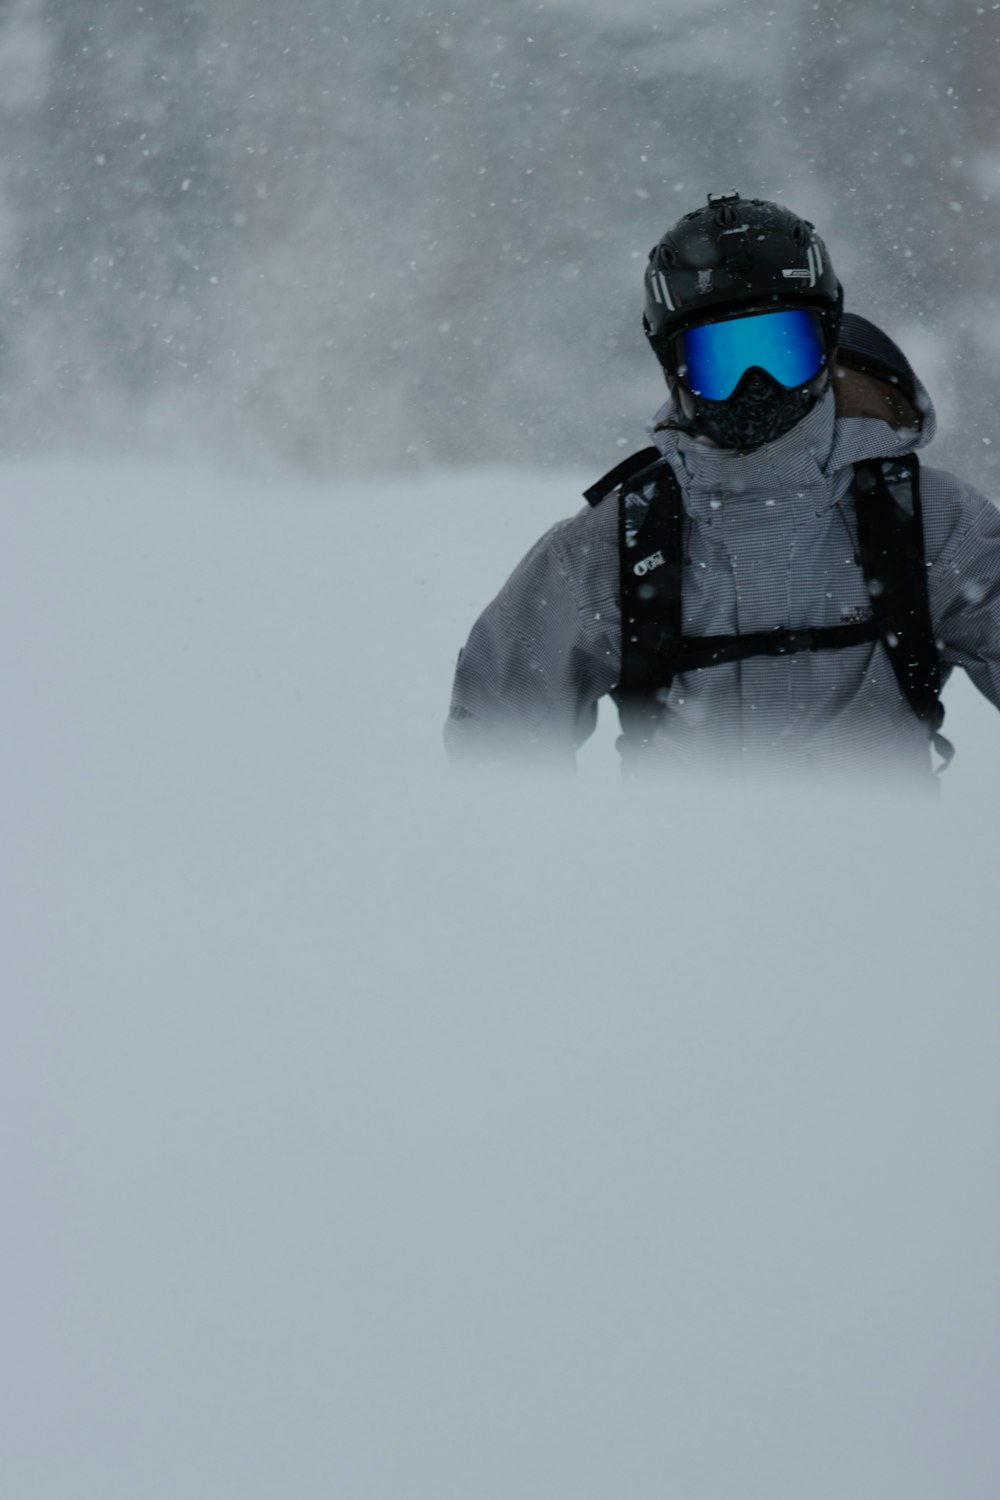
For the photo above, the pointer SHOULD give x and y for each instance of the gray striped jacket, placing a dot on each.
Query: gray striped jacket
(772, 543)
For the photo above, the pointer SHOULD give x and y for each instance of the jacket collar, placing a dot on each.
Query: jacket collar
(793, 466)
(811, 465)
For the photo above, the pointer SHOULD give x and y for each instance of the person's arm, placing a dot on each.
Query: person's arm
(541, 655)
(964, 578)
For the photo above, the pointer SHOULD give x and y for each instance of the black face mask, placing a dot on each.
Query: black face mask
(759, 411)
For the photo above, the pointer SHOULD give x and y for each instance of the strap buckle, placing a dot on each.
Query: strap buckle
(782, 642)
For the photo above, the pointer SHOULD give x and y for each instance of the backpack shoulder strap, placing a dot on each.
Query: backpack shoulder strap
(651, 563)
(891, 536)
(621, 474)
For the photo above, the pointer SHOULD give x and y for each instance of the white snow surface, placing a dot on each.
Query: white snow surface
(374, 1132)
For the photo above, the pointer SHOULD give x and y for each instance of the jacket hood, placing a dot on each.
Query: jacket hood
(876, 407)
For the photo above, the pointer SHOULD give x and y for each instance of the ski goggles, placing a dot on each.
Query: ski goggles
(712, 358)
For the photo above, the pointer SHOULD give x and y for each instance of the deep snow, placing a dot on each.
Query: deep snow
(373, 1132)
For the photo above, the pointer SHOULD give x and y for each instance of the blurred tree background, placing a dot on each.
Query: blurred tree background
(358, 238)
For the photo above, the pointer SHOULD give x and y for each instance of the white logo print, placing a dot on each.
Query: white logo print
(812, 270)
(654, 560)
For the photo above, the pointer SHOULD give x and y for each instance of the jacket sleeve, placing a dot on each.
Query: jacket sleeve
(964, 580)
(540, 656)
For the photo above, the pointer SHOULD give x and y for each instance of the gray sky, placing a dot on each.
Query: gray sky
(355, 238)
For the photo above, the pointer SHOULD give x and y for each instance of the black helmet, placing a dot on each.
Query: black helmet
(737, 255)
(731, 259)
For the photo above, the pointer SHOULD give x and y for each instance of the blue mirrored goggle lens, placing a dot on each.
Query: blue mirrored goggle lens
(712, 359)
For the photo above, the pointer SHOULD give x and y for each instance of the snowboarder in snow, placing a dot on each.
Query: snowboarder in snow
(778, 580)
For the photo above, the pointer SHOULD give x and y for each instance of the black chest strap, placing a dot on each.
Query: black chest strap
(655, 649)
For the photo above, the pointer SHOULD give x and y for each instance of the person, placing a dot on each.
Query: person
(777, 582)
